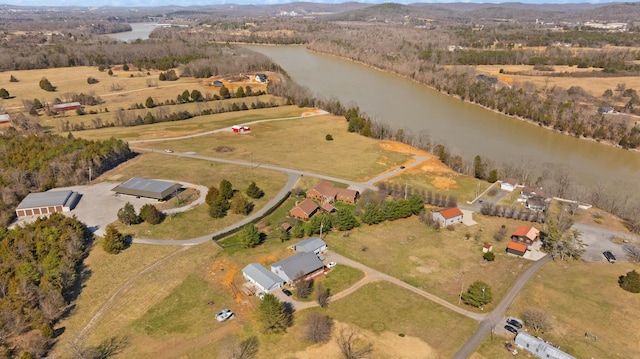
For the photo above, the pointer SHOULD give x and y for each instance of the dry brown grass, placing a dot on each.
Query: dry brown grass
(585, 297)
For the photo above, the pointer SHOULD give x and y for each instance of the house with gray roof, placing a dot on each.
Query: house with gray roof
(540, 347)
(306, 262)
(43, 203)
(141, 187)
(314, 245)
(261, 277)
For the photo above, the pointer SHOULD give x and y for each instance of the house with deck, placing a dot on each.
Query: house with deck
(525, 234)
(325, 192)
(306, 263)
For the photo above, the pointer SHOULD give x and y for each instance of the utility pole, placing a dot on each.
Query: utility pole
(460, 296)
(406, 184)
(321, 229)
(89, 175)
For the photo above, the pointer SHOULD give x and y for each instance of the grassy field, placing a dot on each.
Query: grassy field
(438, 262)
(298, 144)
(583, 297)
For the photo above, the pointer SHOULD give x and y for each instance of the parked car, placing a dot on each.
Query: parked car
(331, 264)
(224, 315)
(515, 323)
(402, 167)
(511, 348)
(511, 329)
(286, 292)
(168, 151)
(609, 256)
(260, 295)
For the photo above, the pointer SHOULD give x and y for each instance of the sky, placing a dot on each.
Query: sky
(148, 3)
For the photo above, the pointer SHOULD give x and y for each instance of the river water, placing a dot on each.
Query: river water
(464, 128)
(138, 31)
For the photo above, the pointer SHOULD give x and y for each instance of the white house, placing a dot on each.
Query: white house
(314, 245)
(289, 268)
(509, 184)
(261, 277)
(448, 216)
(540, 347)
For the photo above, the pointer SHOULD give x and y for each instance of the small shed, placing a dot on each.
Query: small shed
(141, 187)
(448, 216)
(314, 245)
(487, 247)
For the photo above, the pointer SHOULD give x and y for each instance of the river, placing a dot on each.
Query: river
(464, 128)
(139, 30)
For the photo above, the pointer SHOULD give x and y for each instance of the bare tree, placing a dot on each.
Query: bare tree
(303, 286)
(322, 295)
(317, 327)
(351, 347)
(633, 251)
(245, 349)
(500, 234)
(537, 318)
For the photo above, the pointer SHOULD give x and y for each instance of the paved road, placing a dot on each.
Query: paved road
(496, 317)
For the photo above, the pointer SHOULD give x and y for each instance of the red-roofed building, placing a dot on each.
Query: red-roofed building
(516, 248)
(304, 210)
(525, 234)
(448, 216)
(63, 107)
(325, 192)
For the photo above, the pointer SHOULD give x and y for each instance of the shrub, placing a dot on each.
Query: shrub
(4, 93)
(630, 282)
(489, 256)
(478, 294)
(150, 214)
(13, 79)
(92, 80)
(328, 137)
(46, 85)
(125, 67)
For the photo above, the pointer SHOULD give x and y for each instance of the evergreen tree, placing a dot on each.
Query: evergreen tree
(478, 167)
(372, 214)
(253, 191)
(4, 94)
(250, 236)
(226, 190)
(150, 214)
(127, 215)
(46, 85)
(13, 79)
(239, 204)
(493, 176)
(110, 72)
(478, 294)
(224, 92)
(345, 220)
(149, 103)
(114, 241)
(248, 91)
(298, 230)
(219, 208)
(416, 204)
(283, 234)
(630, 282)
(125, 67)
(196, 96)
(185, 96)
(240, 92)
(317, 222)
(212, 195)
(273, 315)
(37, 104)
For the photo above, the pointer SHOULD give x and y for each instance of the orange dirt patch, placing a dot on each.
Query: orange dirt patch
(433, 165)
(402, 148)
(444, 183)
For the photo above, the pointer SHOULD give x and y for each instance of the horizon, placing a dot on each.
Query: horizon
(189, 3)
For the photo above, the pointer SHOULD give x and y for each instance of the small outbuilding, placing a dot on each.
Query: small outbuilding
(141, 187)
(509, 184)
(5, 118)
(262, 78)
(314, 245)
(217, 83)
(487, 247)
(70, 106)
(261, 277)
(516, 248)
(448, 216)
(43, 203)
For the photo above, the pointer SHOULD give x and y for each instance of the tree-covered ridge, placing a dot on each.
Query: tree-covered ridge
(41, 162)
(38, 267)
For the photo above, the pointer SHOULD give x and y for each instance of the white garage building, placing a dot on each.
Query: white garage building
(43, 203)
(261, 277)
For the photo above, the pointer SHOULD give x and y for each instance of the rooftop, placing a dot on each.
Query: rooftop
(146, 185)
(450, 212)
(45, 199)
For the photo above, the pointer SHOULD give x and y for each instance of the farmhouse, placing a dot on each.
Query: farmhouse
(540, 347)
(306, 263)
(528, 192)
(516, 248)
(324, 191)
(141, 187)
(448, 216)
(304, 210)
(525, 234)
(43, 203)
(314, 245)
(70, 106)
(536, 203)
(509, 184)
(261, 277)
